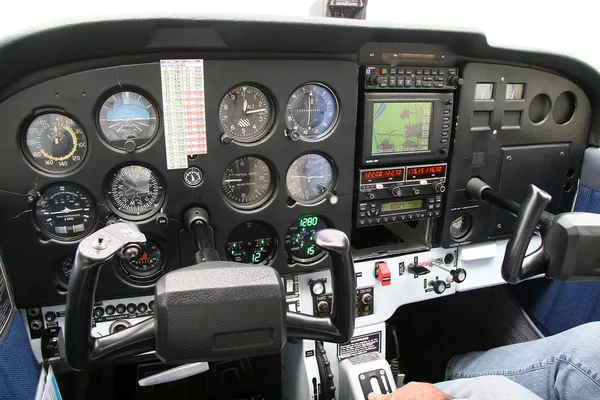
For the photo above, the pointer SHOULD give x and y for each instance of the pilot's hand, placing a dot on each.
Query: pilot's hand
(413, 391)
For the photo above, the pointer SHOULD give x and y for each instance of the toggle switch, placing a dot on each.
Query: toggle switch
(382, 273)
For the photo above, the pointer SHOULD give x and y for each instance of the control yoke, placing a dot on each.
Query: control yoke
(570, 241)
(214, 310)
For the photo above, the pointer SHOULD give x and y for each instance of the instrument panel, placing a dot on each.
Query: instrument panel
(92, 150)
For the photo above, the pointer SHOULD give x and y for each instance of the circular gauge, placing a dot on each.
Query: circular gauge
(247, 182)
(65, 212)
(309, 178)
(251, 243)
(54, 143)
(246, 113)
(127, 120)
(135, 192)
(192, 176)
(312, 111)
(147, 268)
(300, 238)
(63, 271)
(461, 226)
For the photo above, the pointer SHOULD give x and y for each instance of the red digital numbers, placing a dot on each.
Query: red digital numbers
(382, 174)
(432, 171)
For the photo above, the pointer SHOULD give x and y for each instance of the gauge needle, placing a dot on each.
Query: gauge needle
(233, 180)
(255, 111)
(245, 104)
(309, 101)
(66, 211)
(310, 176)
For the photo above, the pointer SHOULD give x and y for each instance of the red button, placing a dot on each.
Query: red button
(382, 273)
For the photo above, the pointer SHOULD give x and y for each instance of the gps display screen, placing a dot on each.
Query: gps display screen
(401, 127)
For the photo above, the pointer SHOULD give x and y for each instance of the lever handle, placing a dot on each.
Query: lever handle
(81, 349)
(339, 327)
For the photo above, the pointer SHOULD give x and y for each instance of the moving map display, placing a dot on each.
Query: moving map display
(401, 127)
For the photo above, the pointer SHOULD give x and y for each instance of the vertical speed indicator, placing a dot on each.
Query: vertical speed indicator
(247, 182)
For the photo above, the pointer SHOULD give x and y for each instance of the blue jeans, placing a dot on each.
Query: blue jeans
(560, 367)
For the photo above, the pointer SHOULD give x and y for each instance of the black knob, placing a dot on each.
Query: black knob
(131, 308)
(416, 190)
(440, 188)
(455, 80)
(396, 191)
(438, 286)
(366, 299)
(459, 275)
(50, 316)
(110, 310)
(448, 102)
(373, 79)
(142, 308)
(151, 305)
(444, 150)
(121, 308)
(98, 312)
(323, 307)
(371, 196)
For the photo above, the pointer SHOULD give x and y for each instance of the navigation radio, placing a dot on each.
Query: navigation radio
(406, 127)
(396, 194)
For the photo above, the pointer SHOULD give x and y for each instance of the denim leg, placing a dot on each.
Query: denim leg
(486, 388)
(560, 367)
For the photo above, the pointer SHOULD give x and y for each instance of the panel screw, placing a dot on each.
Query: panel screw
(509, 158)
(502, 79)
(562, 153)
(494, 132)
(371, 54)
(443, 56)
(362, 376)
(499, 226)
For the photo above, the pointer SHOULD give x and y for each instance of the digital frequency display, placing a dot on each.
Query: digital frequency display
(426, 172)
(402, 205)
(401, 127)
(382, 175)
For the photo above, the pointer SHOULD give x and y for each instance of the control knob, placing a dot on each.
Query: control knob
(455, 80)
(366, 299)
(439, 187)
(458, 275)
(396, 191)
(438, 286)
(375, 79)
(323, 307)
(416, 190)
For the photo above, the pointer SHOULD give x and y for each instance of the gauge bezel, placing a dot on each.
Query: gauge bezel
(271, 257)
(145, 281)
(319, 199)
(112, 145)
(336, 119)
(162, 199)
(58, 238)
(268, 196)
(29, 157)
(314, 258)
(269, 125)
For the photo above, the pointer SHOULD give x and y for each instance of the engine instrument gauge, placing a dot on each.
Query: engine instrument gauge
(65, 212)
(63, 271)
(147, 268)
(300, 238)
(127, 120)
(309, 178)
(54, 143)
(247, 182)
(251, 242)
(246, 113)
(135, 192)
(312, 111)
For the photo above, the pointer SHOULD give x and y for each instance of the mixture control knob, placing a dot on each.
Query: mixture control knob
(440, 187)
(323, 307)
(438, 286)
(459, 275)
(455, 80)
(396, 191)
(366, 299)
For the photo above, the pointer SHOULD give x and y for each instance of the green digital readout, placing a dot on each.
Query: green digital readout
(251, 243)
(300, 238)
(401, 205)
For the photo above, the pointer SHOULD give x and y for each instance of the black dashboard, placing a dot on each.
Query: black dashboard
(281, 141)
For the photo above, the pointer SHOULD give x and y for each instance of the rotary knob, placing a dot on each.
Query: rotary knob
(455, 80)
(438, 286)
(366, 299)
(440, 188)
(459, 275)
(396, 191)
(323, 307)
